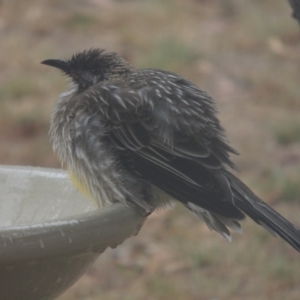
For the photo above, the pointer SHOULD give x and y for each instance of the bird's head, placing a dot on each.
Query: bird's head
(90, 67)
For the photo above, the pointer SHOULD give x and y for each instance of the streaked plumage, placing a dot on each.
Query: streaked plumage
(136, 136)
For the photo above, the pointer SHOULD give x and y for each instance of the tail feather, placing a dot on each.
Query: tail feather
(215, 222)
(263, 214)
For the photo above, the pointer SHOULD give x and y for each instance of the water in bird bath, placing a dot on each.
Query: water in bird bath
(29, 197)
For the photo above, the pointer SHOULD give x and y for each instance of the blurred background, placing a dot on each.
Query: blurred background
(246, 55)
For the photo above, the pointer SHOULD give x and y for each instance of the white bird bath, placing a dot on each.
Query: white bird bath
(50, 234)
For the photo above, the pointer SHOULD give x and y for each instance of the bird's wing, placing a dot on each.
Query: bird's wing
(172, 138)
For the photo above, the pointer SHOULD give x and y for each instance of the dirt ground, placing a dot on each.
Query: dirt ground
(246, 54)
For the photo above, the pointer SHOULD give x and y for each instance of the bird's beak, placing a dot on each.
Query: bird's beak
(57, 63)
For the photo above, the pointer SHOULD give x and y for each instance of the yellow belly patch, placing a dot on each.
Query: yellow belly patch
(82, 188)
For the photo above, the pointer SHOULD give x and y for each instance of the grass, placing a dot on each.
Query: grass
(161, 288)
(79, 21)
(203, 259)
(284, 186)
(287, 133)
(245, 54)
(291, 190)
(169, 54)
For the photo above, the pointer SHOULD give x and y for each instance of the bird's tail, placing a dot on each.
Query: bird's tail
(263, 214)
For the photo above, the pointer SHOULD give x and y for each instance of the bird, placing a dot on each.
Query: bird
(147, 138)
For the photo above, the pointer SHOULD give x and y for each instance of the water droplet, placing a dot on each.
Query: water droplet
(10, 238)
(42, 245)
(70, 240)
(61, 232)
(4, 241)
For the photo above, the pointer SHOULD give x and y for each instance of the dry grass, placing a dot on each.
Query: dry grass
(244, 53)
